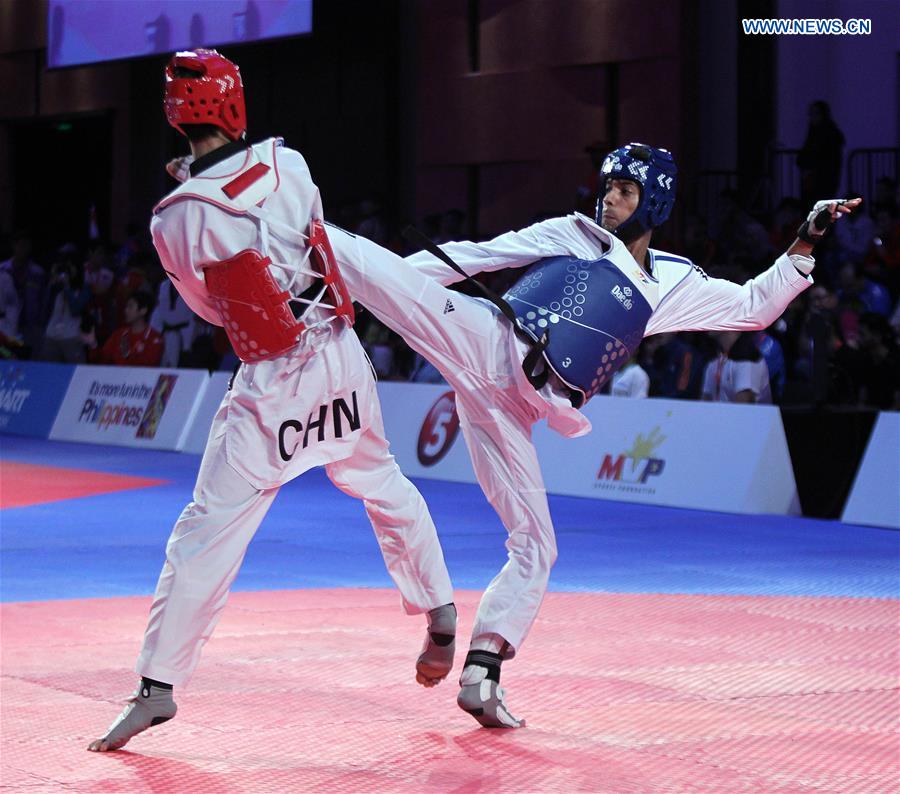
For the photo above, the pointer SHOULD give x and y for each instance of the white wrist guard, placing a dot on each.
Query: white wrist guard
(804, 264)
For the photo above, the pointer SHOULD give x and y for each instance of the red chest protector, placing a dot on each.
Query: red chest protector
(256, 313)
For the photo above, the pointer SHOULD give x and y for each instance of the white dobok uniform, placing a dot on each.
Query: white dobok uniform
(174, 319)
(475, 348)
(631, 381)
(314, 405)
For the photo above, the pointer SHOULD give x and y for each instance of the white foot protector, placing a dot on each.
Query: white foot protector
(483, 699)
(436, 659)
(148, 706)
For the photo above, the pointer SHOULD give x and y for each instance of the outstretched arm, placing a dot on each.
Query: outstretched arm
(700, 303)
(512, 249)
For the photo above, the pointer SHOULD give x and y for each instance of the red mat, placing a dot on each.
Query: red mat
(312, 691)
(24, 484)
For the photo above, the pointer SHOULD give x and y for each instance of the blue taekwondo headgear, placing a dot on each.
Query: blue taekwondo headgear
(655, 172)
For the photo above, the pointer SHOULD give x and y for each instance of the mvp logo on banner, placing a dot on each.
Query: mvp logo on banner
(632, 469)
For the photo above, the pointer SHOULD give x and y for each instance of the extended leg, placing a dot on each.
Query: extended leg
(469, 343)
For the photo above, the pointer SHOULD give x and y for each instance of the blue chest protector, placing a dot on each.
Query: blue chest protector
(594, 316)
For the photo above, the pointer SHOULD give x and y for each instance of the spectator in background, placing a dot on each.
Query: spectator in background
(854, 239)
(788, 216)
(175, 322)
(423, 371)
(678, 366)
(773, 355)
(431, 225)
(9, 306)
(825, 362)
(372, 224)
(69, 298)
(453, 226)
(885, 197)
(821, 157)
(30, 282)
(742, 238)
(100, 279)
(631, 381)
(861, 293)
(876, 369)
(134, 244)
(134, 277)
(884, 253)
(698, 247)
(739, 374)
(378, 344)
(97, 273)
(586, 194)
(134, 344)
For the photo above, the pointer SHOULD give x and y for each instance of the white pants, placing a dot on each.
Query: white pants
(472, 345)
(207, 546)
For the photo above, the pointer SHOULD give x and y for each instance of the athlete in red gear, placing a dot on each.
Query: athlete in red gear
(242, 241)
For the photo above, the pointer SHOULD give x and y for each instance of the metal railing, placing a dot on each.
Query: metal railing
(866, 166)
(783, 177)
(707, 188)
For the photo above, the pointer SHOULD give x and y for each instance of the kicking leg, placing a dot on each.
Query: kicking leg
(469, 343)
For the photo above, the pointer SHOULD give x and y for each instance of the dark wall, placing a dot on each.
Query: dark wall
(484, 105)
(509, 93)
(332, 95)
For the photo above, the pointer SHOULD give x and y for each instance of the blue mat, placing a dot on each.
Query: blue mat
(315, 536)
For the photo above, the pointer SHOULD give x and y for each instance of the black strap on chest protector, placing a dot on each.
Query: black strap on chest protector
(536, 349)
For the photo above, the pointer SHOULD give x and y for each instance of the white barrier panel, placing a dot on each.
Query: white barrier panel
(423, 429)
(130, 406)
(199, 431)
(875, 497)
(710, 456)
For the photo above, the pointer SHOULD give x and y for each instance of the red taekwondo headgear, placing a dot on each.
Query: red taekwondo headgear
(215, 96)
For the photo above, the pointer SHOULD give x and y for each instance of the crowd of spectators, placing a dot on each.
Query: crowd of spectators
(837, 344)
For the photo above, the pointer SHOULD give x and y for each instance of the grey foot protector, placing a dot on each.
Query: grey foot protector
(484, 701)
(436, 659)
(148, 706)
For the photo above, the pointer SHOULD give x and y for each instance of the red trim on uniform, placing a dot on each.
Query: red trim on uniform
(276, 144)
(238, 185)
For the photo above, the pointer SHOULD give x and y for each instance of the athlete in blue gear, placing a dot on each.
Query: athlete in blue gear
(593, 290)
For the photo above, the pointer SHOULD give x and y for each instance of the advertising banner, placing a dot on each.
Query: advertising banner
(710, 456)
(130, 406)
(875, 497)
(30, 396)
(423, 429)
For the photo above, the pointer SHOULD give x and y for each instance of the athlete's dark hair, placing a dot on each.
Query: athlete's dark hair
(144, 300)
(745, 349)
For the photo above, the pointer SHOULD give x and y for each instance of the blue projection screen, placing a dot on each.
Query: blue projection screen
(88, 31)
